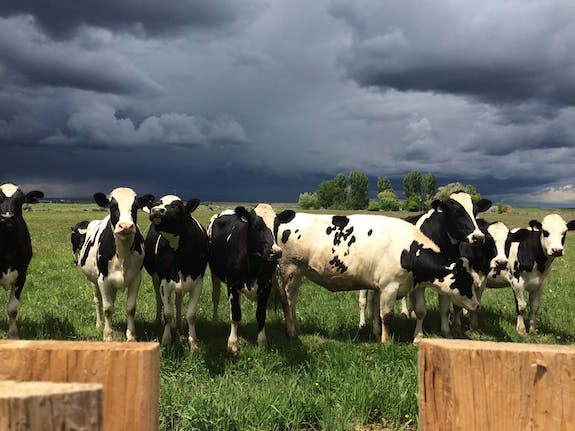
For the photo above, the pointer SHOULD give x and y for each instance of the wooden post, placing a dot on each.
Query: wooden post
(129, 373)
(474, 385)
(40, 406)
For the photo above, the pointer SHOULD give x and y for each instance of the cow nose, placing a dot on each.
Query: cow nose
(125, 226)
(158, 211)
(7, 215)
(500, 264)
(557, 252)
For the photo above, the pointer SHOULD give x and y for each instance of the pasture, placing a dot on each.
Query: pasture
(334, 378)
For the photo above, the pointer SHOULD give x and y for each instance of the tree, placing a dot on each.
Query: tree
(358, 197)
(428, 189)
(340, 197)
(412, 184)
(444, 192)
(388, 200)
(383, 184)
(413, 203)
(308, 201)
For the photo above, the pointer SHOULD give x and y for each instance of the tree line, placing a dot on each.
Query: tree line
(352, 193)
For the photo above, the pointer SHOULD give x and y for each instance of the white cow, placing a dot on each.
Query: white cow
(372, 252)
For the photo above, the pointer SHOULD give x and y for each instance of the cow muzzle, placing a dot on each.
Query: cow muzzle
(156, 215)
(556, 252)
(125, 228)
(476, 239)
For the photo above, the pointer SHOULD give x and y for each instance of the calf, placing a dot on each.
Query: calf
(15, 246)
(77, 238)
(530, 255)
(243, 254)
(448, 223)
(176, 259)
(356, 252)
(113, 254)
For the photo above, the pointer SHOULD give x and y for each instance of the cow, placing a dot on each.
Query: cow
(244, 254)
(530, 253)
(176, 259)
(77, 238)
(112, 256)
(380, 253)
(15, 246)
(448, 223)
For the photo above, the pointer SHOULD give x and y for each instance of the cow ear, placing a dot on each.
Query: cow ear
(191, 205)
(535, 225)
(285, 216)
(101, 199)
(33, 196)
(571, 225)
(145, 201)
(481, 206)
(242, 213)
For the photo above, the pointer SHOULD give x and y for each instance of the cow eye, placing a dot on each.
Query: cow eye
(545, 233)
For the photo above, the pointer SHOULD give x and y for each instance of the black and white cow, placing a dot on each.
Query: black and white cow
(176, 259)
(489, 260)
(113, 255)
(448, 223)
(530, 253)
(372, 252)
(15, 246)
(77, 238)
(243, 254)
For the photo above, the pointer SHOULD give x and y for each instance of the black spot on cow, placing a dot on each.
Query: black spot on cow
(338, 264)
(351, 241)
(285, 235)
(369, 232)
(329, 230)
(463, 280)
(340, 221)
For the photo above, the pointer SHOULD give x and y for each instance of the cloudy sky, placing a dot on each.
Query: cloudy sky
(260, 100)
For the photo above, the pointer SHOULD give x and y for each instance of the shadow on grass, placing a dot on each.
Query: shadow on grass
(48, 327)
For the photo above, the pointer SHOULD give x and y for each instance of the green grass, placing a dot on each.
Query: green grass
(334, 378)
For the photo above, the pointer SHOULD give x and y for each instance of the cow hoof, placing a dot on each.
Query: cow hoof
(13, 335)
(99, 326)
(417, 339)
(233, 349)
(262, 341)
(521, 330)
(193, 344)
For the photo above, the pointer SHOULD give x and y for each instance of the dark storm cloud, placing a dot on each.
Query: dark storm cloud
(62, 18)
(498, 52)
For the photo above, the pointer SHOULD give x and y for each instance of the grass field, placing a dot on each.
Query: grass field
(335, 378)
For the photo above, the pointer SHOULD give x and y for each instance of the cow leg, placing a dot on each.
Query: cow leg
(216, 289)
(264, 290)
(444, 310)
(404, 308)
(474, 315)
(235, 317)
(373, 305)
(520, 306)
(98, 306)
(156, 283)
(534, 302)
(166, 290)
(12, 309)
(108, 295)
(456, 329)
(362, 306)
(133, 289)
(291, 279)
(191, 313)
(179, 299)
(420, 312)
(387, 296)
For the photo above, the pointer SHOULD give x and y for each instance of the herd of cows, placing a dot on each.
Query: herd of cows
(385, 258)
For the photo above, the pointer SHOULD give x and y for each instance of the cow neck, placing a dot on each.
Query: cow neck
(435, 228)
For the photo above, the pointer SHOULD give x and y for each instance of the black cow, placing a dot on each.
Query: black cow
(113, 255)
(77, 238)
(243, 254)
(176, 259)
(15, 246)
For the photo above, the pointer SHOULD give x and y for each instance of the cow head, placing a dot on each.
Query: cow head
(11, 201)
(77, 238)
(460, 284)
(460, 211)
(123, 204)
(553, 231)
(261, 238)
(170, 212)
(498, 233)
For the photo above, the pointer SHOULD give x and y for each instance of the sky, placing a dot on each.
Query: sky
(255, 100)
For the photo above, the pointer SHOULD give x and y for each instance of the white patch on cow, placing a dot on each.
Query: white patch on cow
(423, 218)
(9, 189)
(8, 278)
(168, 199)
(499, 232)
(553, 230)
(125, 197)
